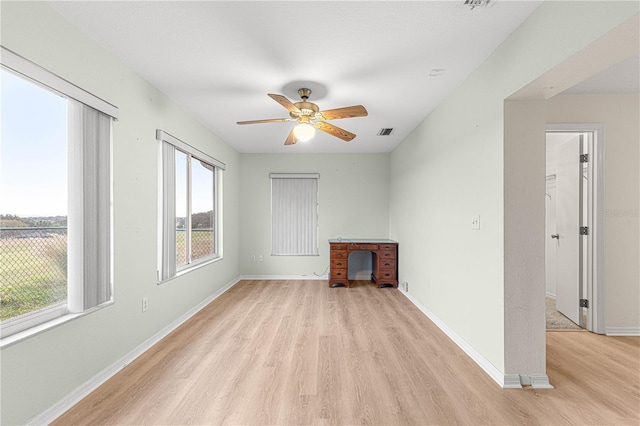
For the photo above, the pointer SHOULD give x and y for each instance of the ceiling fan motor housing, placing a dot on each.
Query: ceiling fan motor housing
(307, 109)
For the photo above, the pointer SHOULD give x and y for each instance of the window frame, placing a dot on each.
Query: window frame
(167, 201)
(31, 323)
(190, 262)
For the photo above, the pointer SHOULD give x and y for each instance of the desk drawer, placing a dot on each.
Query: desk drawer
(387, 254)
(338, 264)
(366, 247)
(338, 254)
(388, 247)
(386, 275)
(387, 265)
(338, 274)
(338, 246)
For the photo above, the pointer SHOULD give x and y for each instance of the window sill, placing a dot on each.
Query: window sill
(193, 267)
(18, 337)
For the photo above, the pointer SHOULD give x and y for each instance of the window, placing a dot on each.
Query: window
(55, 197)
(190, 206)
(294, 214)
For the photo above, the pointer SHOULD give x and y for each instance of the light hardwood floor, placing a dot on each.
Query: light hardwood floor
(299, 352)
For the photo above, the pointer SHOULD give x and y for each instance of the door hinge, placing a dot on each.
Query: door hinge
(584, 303)
(584, 158)
(584, 230)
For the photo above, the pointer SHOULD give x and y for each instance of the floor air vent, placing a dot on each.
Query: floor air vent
(385, 132)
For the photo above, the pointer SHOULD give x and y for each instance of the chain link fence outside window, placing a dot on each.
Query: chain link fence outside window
(201, 244)
(33, 269)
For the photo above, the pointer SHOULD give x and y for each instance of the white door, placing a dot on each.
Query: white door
(568, 211)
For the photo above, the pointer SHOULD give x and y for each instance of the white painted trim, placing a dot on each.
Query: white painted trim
(284, 277)
(622, 331)
(161, 135)
(551, 295)
(294, 175)
(596, 292)
(90, 385)
(44, 77)
(510, 381)
(536, 381)
(35, 330)
(506, 381)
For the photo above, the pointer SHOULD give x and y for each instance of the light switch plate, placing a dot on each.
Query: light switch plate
(475, 222)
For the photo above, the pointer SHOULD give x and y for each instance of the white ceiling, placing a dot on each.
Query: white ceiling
(220, 59)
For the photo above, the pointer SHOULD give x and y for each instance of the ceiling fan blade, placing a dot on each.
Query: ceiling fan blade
(346, 112)
(335, 131)
(282, 100)
(291, 139)
(271, 120)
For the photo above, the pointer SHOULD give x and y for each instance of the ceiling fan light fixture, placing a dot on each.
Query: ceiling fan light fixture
(304, 132)
(311, 118)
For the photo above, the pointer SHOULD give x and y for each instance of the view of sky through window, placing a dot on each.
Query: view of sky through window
(33, 149)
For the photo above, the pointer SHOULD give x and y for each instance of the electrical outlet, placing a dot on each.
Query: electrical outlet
(260, 259)
(475, 222)
(253, 257)
(145, 304)
(405, 286)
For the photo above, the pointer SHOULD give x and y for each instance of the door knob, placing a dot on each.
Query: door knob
(555, 236)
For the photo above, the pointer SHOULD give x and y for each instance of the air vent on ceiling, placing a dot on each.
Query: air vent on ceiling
(385, 132)
(476, 3)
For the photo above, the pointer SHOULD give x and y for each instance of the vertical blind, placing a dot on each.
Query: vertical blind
(168, 268)
(89, 220)
(294, 214)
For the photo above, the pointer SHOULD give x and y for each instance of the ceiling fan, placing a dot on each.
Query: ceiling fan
(311, 118)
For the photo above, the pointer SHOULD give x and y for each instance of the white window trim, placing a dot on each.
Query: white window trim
(163, 136)
(13, 337)
(190, 262)
(36, 73)
(33, 323)
(163, 256)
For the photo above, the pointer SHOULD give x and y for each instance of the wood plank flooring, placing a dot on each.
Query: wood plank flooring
(299, 352)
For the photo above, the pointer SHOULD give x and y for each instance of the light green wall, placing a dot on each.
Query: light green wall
(40, 371)
(423, 194)
(455, 165)
(353, 203)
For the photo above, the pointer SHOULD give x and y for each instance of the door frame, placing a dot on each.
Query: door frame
(596, 239)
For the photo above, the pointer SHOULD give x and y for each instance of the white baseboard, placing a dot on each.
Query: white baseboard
(284, 277)
(536, 381)
(622, 331)
(506, 381)
(90, 385)
(509, 381)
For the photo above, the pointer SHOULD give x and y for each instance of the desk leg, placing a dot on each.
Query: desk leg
(343, 282)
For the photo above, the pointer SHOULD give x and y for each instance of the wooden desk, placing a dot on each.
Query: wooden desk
(385, 260)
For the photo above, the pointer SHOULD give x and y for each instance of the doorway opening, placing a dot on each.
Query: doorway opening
(574, 240)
